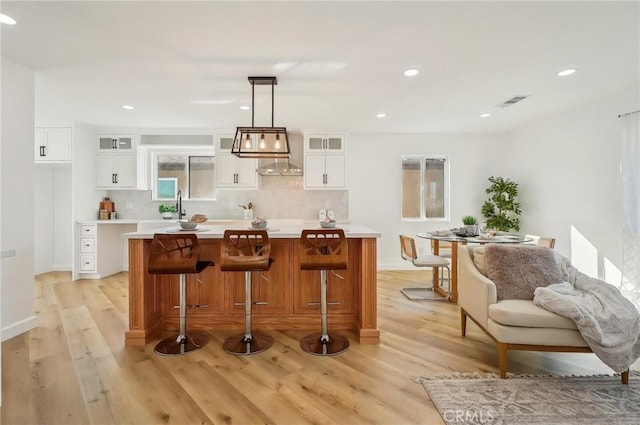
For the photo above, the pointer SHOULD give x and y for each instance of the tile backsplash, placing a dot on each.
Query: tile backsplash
(279, 197)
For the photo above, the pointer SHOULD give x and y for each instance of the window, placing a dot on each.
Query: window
(425, 187)
(192, 172)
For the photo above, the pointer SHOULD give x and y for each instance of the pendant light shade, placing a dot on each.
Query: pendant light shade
(261, 142)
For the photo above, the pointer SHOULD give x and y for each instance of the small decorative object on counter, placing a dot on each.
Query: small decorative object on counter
(107, 205)
(328, 223)
(259, 223)
(167, 211)
(248, 210)
(103, 215)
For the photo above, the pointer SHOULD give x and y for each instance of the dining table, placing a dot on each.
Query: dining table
(456, 240)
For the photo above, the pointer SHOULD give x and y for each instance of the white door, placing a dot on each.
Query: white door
(334, 169)
(227, 170)
(125, 171)
(57, 144)
(314, 171)
(104, 171)
(247, 175)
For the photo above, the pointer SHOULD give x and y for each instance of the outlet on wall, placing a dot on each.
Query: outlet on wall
(128, 205)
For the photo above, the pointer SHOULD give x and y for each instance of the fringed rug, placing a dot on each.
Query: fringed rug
(587, 400)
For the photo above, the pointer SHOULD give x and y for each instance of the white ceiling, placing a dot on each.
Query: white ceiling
(338, 63)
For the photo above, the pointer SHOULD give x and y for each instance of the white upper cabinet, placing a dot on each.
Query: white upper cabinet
(116, 171)
(234, 172)
(53, 144)
(324, 161)
(324, 171)
(328, 143)
(116, 144)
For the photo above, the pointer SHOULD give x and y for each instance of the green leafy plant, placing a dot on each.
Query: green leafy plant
(502, 209)
(164, 208)
(469, 220)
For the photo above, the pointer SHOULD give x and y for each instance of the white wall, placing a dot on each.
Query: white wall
(568, 167)
(52, 210)
(374, 182)
(43, 219)
(62, 213)
(17, 199)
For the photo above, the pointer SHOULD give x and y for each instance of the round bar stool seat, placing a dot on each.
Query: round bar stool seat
(178, 254)
(323, 250)
(246, 251)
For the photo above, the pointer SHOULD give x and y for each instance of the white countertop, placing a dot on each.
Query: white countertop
(114, 221)
(278, 229)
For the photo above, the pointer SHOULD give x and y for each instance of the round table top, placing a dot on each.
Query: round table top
(502, 238)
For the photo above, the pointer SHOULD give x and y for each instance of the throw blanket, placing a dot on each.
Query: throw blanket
(608, 322)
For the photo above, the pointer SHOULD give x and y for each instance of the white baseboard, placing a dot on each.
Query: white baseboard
(62, 267)
(18, 328)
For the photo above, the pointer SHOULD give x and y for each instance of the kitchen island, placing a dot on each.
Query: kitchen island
(287, 297)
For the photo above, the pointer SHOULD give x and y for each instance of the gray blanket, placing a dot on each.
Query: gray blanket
(608, 322)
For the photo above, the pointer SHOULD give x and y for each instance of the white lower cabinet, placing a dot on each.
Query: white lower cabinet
(100, 250)
(88, 235)
(116, 171)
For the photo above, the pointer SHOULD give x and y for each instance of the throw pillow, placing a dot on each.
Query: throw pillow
(517, 270)
(480, 260)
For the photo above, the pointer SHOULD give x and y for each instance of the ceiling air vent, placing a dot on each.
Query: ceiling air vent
(512, 101)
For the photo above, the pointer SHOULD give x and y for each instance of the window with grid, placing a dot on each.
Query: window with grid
(425, 187)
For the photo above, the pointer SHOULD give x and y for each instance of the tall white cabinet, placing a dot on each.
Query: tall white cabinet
(116, 162)
(324, 161)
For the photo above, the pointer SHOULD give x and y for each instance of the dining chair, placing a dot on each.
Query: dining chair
(541, 240)
(409, 252)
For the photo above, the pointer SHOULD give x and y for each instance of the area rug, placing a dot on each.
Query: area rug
(588, 400)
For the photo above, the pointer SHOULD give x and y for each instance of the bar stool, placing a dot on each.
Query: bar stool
(246, 251)
(178, 254)
(323, 249)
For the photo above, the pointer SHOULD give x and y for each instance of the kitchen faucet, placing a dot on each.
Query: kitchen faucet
(181, 212)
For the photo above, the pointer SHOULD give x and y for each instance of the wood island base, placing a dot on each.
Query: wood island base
(288, 296)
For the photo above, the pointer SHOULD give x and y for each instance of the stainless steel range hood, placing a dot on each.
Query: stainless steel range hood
(280, 167)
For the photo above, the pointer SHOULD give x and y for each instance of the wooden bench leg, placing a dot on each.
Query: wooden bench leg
(502, 359)
(463, 322)
(625, 377)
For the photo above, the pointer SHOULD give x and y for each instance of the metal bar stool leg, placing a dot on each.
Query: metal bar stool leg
(323, 344)
(182, 343)
(248, 343)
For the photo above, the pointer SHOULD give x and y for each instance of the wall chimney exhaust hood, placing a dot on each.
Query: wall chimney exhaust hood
(261, 142)
(281, 167)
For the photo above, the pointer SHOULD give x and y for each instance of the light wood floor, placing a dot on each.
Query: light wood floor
(75, 369)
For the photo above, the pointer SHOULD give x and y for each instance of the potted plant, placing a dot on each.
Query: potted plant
(167, 211)
(470, 224)
(502, 209)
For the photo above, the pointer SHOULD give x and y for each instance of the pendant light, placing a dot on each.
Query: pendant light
(271, 142)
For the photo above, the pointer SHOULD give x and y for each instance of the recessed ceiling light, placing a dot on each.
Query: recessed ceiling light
(411, 72)
(566, 72)
(127, 107)
(7, 19)
(245, 108)
(485, 115)
(381, 115)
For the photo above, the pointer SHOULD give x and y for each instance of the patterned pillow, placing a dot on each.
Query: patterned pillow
(517, 270)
